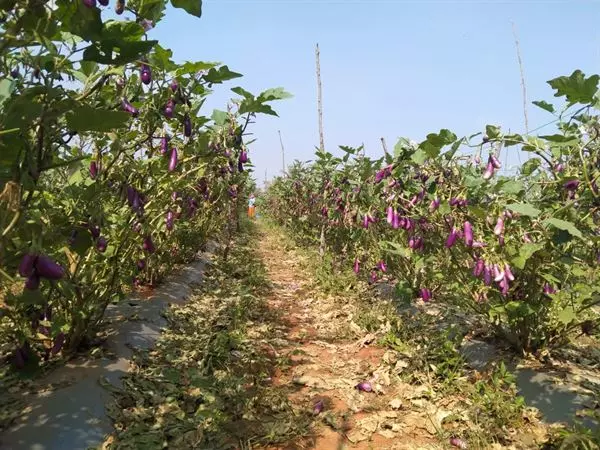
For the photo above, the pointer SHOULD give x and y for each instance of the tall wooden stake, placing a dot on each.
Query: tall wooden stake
(320, 99)
(282, 152)
(322, 242)
(523, 87)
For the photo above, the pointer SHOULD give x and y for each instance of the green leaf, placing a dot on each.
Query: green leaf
(6, 88)
(217, 76)
(526, 251)
(511, 186)
(530, 166)
(544, 105)
(85, 118)
(524, 209)
(565, 226)
(126, 51)
(560, 139)
(244, 93)
(194, 67)
(274, 94)
(193, 7)
(219, 117)
(419, 156)
(576, 87)
(567, 315)
(512, 139)
(151, 9)
(492, 131)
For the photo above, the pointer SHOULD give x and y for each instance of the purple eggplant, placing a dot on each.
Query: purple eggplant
(571, 185)
(173, 160)
(187, 125)
(146, 74)
(174, 85)
(27, 264)
(48, 268)
(499, 228)
(495, 162)
(141, 264)
(434, 205)
(508, 273)
(526, 238)
(356, 265)
(169, 108)
(468, 233)
(164, 145)
(58, 343)
(382, 266)
(390, 215)
(364, 386)
(478, 269)
(459, 443)
(93, 170)
(425, 294)
(487, 275)
(396, 221)
(101, 244)
(489, 171)
(128, 107)
(94, 231)
(120, 6)
(90, 3)
(243, 157)
(559, 167)
(373, 277)
(549, 289)
(318, 408)
(148, 245)
(32, 282)
(380, 175)
(454, 201)
(452, 238)
(498, 274)
(169, 220)
(366, 221)
(501, 240)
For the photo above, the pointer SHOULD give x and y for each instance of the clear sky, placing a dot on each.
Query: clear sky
(389, 68)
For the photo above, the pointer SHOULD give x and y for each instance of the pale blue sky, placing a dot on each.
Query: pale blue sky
(389, 68)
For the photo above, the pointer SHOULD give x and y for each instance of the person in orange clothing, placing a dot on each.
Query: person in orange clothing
(251, 206)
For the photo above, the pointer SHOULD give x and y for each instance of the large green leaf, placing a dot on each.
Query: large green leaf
(576, 87)
(221, 74)
(526, 251)
(564, 225)
(193, 7)
(219, 117)
(86, 118)
(524, 208)
(274, 94)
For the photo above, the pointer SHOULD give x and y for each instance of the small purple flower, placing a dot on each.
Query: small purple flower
(147, 24)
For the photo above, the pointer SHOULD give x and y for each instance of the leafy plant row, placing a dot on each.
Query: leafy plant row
(109, 173)
(441, 220)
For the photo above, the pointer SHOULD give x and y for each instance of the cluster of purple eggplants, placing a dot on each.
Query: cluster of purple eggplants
(135, 200)
(35, 267)
(494, 272)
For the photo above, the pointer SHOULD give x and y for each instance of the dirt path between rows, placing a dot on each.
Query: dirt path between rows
(328, 356)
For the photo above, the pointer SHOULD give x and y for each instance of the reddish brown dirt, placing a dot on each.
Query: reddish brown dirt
(325, 361)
